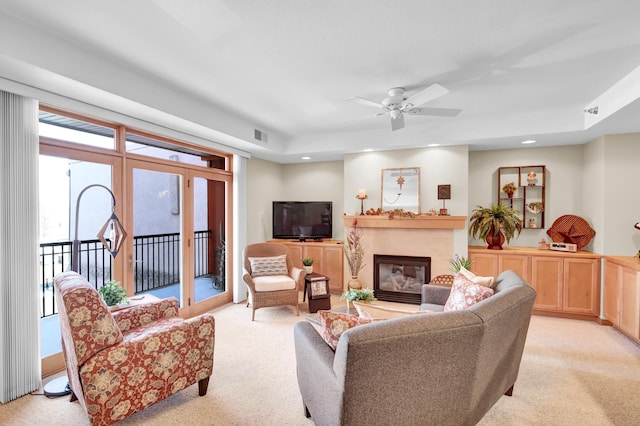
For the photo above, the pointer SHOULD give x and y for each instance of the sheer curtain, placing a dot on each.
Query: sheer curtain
(20, 367)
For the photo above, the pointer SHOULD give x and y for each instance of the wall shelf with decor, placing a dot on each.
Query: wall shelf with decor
(527, 194)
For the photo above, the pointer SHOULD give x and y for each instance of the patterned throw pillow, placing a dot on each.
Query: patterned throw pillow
(465, 293)
(335, 323)
(264, 266)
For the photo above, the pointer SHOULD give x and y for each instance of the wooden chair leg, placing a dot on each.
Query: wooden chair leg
(509, 391)
(203, 384)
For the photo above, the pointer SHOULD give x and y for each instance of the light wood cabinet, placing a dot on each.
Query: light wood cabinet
(581, 290)
(630, 303)
(547, 275)
(622, 294)
(612, 283)
(484, 263)
(567, 284)
(327, 255)
(517, 262)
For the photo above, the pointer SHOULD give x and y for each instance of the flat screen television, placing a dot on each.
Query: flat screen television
(302, 220)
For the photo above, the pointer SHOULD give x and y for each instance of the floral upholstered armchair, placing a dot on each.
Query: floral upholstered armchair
(122, 362)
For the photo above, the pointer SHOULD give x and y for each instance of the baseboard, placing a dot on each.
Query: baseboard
(566, 315)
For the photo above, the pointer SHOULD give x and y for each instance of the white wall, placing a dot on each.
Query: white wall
(438, 166)
(564, 183)
(593, 189)
(621, 199)
(268, 182)
(264, 185)
(594, 181)
(322, 181)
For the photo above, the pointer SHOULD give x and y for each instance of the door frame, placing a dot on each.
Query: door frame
(188, 306)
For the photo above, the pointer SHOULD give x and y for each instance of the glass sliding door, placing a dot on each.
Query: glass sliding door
(210, 238)
(64, 174)
(156, 258)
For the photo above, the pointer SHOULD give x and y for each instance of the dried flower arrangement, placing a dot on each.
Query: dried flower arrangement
(353, 250)
(509, 188)
(390, 213)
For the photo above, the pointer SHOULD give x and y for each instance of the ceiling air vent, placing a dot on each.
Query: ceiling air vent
(261, 136)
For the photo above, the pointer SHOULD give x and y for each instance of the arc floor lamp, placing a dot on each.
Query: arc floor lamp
(112, 236)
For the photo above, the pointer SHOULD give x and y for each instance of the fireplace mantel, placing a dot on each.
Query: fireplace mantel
(416, 222)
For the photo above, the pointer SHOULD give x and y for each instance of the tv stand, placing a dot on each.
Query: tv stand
(327, 255)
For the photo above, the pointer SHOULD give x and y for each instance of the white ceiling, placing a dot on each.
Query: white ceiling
(220, 69)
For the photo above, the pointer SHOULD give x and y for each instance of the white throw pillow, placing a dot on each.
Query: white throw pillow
(483, 281)
(264, 266)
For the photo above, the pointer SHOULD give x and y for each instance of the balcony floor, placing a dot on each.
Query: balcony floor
(50, 340)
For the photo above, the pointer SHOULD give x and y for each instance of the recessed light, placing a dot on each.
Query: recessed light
(367, 150)
(527, 142)
(431, 145)
(306, 158)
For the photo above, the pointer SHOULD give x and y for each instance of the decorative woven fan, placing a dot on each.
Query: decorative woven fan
(571, 229)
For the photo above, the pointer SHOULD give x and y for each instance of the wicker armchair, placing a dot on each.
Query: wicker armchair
(274, 287)
(444, 280)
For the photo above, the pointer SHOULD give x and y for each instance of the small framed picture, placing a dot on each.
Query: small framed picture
(444, 192)
(318, 288)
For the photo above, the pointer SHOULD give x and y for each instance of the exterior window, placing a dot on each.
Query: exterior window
(69, 129)
(143, 145)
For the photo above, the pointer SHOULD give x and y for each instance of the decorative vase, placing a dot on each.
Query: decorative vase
(308, 269)
(510, 194)
(495, 239)
(354, 283)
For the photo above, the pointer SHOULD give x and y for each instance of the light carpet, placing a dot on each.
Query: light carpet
(573, 373)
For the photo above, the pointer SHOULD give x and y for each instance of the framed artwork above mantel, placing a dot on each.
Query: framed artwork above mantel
(401, 189)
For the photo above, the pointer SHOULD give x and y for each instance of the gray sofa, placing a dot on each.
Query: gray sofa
(440, 368)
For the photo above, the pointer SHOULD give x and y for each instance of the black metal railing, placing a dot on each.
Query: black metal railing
(157, 263)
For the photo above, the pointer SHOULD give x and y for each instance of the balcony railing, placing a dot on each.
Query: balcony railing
(157, 263)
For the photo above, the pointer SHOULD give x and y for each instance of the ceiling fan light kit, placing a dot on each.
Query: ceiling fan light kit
(396, 104)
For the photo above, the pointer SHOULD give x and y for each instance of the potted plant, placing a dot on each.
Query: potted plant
(535, 207)
(495, 224)
(113, 293)
(509, 189)
(307, 263)
(458, 263)
(354, 252)
(361, 295)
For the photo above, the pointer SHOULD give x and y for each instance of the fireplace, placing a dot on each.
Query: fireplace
(400, 278)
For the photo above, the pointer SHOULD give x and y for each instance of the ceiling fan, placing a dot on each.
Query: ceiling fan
(397, 104)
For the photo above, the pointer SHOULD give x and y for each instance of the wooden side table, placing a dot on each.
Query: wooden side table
(316, 286)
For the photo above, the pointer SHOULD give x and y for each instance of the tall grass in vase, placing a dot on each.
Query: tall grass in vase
(354, 252)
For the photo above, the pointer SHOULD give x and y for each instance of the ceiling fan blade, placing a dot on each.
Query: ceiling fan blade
(397, 123)
(367, 102)
(430, 93)
(440, 112)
